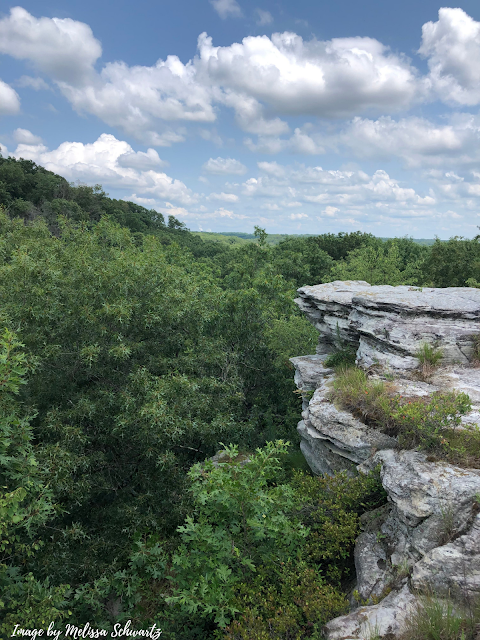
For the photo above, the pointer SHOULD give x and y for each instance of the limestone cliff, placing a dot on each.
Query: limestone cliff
(404, 546)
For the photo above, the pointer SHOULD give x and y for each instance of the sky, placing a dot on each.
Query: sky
(299, 117)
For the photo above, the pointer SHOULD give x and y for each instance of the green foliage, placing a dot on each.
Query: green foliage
(343, 356)
(289, 601)
(442, 619)
(453, 263)
(241, 522)
(382, 264)
(331, 508)
(429, 423)
(429, 358)
(25, 502)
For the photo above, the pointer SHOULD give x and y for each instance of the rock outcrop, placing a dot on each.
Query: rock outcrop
(428, 535)
(387, 324)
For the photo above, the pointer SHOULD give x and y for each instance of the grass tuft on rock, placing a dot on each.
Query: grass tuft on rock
(432, 424)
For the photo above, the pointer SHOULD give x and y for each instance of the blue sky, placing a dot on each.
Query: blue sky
(302, 117)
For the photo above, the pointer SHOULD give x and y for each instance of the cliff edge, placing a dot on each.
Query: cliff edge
(427, 538)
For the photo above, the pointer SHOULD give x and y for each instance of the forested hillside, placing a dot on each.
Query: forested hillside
(131, 351)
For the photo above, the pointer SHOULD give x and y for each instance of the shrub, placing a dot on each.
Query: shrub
(286, 602)
(430, 423)
(344, 357)
(331, 508)
(476, 350)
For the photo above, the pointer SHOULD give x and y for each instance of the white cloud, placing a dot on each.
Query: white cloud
(9, 100)
(24, 136)
(260, 75)
(330, 211)
(224, 166)
(64, 49)
(416, 141)
(272, 168)
(141, 160)
(301, 142)
(263, 17)
(226, 197)
(111, 162)
(249, 115)
(227, 8)
(452, 45)
(271, 206)
(38, 84)
(331, 78)
(297, 216)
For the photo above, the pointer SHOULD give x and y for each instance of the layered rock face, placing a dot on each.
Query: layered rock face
(387, 324)
(428, 535)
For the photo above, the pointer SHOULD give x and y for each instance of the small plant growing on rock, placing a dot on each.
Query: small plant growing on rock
(441, 619)
(344, 355)
(429, 357)
(429, 423)
(476, 350)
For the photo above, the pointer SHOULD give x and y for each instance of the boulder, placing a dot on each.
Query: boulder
(384, 620)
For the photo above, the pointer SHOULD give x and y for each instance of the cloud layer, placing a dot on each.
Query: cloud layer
(282, 75)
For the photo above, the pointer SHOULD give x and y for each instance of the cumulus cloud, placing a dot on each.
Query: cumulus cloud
(63, 48)
(330, 211)
(141, 160)
(313, 186)
(452, 45)
(272, 168)
(261, 78)
(111, 162)
(249, 115)
(9, 100)
(224, 166)
(297, 216)
(416, 141)
(227, 8)
(325, 78)
(24, 136)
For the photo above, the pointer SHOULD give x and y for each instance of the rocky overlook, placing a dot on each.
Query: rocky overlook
(427, 537)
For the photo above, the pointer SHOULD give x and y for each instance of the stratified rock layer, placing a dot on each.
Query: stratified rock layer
(389, 324)
(428, 535)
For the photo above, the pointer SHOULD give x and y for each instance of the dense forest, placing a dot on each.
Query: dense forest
(131, 352)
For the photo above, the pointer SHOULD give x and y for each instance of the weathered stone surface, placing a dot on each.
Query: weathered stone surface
(390, 324)
(372, 561)
(453, 568)
(343, 440)
(428, 496)
(328, 306)
(322, 456)
(386, 619)
(431, 525)
(310, 371)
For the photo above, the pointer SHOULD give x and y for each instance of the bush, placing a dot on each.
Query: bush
(430, 423)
